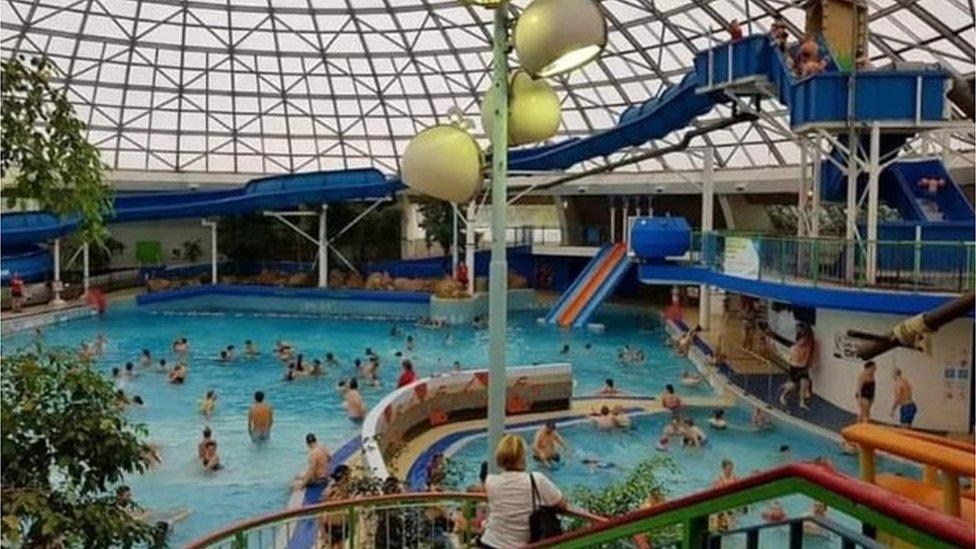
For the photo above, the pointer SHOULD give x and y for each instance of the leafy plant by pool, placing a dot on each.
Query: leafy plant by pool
(67, 443)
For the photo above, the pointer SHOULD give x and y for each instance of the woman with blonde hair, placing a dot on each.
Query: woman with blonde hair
(510, 497)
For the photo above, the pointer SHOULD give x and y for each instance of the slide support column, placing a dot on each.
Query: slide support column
(56, 283)
(613, 221)
(802, 203)
(454, 240)
(323, 247)
(85, 266)
(850, 230)
(872, 229)
(708, 224)
(815, 203)
(469, 246)
(213, 249)
(498, 273)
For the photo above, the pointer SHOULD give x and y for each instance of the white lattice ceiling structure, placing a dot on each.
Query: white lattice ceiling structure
(268, 86)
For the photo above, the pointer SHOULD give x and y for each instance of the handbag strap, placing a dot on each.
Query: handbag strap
(535, 492)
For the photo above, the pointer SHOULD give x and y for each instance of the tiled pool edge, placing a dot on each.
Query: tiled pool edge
(46, 318)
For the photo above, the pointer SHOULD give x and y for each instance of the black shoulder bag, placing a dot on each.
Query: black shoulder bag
(544, 521)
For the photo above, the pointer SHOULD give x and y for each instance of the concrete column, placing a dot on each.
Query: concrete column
(873, 192)
(323, 247)
(613, 221)
(850, 229)
(213, 248)
(85, 266)
(708, 224)
(56, 283)
(802, 204)
(815, 203)
(469, 247)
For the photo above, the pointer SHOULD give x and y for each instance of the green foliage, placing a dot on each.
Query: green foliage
(192, 250)
(66, 444)
(44, 155)
(100, 256)
(628, 494)
(437, 224)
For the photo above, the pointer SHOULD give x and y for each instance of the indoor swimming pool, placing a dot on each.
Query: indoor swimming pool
(256, 478)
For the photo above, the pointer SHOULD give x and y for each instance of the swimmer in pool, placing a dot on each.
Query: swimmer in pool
(178, 375)
(316, 368)
(774, 513)
(602, 418)
(211, 461)
(130, 370)
(620, 417)
(694, 437)
(146, 358)
(290, 373)
(319, 458)
(224, 357)
(595, 464)
(394, 331)
(818, 511)
(565, 349)
(231, 353)
(760, 420)
(547, 444)
(123, 498)
(163, 367)
(410, 344)
(671, 401)
(608, 388)
(355, 409)
(209, 403)
(100, 342)
(250, 349)
(717, 421)
(330, 360)
(207, 437)
(260, 418)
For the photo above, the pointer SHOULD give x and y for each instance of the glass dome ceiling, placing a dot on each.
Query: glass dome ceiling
(273, 86)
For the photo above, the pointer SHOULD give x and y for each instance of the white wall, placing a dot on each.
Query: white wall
(171, 233)
(943, 402)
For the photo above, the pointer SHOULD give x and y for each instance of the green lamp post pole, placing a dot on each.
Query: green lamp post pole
(498, 271)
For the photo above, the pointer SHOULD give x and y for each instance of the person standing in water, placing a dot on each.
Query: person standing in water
(865, 391)
(319, 458)
(547, 444)
(904, 402)
(260, 418)
(355, 408)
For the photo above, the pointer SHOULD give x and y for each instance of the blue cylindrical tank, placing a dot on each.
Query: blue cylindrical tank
(660, 237)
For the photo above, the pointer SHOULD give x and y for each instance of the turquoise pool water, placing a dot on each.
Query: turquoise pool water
(256, 478)
(695, 469)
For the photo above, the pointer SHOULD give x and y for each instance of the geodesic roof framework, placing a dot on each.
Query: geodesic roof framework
(267, 86)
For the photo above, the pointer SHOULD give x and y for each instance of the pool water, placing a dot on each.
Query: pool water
(695, 469)
(256, 478)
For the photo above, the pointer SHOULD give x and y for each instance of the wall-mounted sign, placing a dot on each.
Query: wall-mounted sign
(741, 257)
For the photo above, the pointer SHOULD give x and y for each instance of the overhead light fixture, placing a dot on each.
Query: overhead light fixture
(443, 162)
(533, 109)
(556, 36)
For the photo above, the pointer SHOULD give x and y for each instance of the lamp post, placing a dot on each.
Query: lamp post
(498, 269)
(552, 37)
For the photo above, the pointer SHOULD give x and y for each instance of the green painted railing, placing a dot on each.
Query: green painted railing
(934, 266)
(880, 512)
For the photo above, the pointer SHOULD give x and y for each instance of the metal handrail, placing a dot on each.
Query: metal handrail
(796, 525)
(875, 507)
(238, 529)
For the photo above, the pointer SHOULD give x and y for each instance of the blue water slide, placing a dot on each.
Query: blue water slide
(603, 292)
(566, 298)
(32, 265)
(946, 202)
(269, 193)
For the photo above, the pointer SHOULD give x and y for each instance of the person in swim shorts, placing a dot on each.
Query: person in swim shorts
(903, 402)
(260, 418)
(547, 443)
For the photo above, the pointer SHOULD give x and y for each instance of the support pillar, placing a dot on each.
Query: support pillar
(498, 272)
(850, 230)
(872, 222)
(213, 249)
(323, 247)
(815, 203)
(469, 244)
(454, 240)
(613, 221)
(86, 267)
(708, 225)
(56, 283)
(802, 202)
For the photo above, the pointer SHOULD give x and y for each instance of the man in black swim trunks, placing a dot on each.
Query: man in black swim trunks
(865, 391)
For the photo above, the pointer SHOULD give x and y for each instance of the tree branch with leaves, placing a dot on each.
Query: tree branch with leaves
(45, 158)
